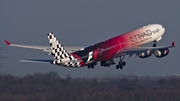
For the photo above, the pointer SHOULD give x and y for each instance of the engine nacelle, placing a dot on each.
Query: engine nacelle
(161, 53)
(145, 54)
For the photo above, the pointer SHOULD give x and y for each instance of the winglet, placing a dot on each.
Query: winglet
(173, 44)
(7, 42)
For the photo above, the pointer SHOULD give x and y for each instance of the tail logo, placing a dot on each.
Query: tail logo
(61, 56)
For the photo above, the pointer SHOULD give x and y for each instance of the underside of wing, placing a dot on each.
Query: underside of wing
(137, 50)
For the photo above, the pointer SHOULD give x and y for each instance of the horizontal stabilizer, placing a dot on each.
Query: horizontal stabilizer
(47, 61)
(37, 61)
(74, 61)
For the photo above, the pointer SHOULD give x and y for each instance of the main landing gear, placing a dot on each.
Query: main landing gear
(121, 63)
(108, 63)
(104, 64)
(92, 65)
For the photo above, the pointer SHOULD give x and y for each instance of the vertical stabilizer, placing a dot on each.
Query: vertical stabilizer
(61, 56)
(58, 50)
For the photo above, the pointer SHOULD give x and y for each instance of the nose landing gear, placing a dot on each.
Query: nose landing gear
(155, 44)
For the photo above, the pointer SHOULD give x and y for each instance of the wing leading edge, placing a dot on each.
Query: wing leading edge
(43, 48)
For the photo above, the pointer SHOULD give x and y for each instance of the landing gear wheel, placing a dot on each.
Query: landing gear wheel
(123, 63)
(92, 66)
(121, 66)
(101, 64)
(155, 45)
(95, 63)
(108, 65)
(88, 66)
(117, 66)
(104, 64)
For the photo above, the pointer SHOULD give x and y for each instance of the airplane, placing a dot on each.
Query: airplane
(129, 43)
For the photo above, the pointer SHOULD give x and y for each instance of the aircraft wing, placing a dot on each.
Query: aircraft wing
(37, 61)
(43, 48)
(137, 50)
(47, 61)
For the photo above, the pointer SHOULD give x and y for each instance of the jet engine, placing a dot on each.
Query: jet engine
(161, 53)
(145, 54)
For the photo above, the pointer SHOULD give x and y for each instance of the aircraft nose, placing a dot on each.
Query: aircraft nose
(162, 30)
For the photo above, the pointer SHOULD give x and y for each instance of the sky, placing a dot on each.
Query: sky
(82, 23)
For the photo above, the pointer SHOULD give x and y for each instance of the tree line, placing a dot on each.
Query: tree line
(51, 87)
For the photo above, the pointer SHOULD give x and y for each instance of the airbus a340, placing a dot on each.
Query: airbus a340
(104, 52)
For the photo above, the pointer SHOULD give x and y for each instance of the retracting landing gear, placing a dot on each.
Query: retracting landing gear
(121, 63)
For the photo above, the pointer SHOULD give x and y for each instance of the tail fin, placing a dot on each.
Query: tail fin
(58, 50)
